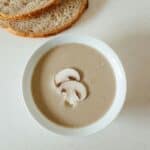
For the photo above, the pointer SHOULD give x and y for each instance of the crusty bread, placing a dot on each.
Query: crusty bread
(51, 22)
(4, 23)
(12, 9)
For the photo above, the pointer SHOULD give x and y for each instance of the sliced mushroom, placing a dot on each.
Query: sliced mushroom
(65, 75)
(73, 92)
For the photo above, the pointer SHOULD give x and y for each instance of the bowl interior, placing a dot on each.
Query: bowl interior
(119, 76)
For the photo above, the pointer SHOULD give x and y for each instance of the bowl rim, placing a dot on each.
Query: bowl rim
(120, 76)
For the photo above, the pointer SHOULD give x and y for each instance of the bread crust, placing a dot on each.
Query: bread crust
(35, 12)
(3, 24)
(57, 30)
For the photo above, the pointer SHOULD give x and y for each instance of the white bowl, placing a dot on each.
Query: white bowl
(120, 94)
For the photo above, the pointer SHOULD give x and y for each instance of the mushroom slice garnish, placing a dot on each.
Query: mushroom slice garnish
(73, 92)
(65, 75)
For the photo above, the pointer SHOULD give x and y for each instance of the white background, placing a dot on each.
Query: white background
(125, 26)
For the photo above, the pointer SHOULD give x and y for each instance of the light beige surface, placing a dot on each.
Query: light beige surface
(96, 74)
(125, 25)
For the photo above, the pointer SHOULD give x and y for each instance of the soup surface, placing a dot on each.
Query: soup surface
(96, 73)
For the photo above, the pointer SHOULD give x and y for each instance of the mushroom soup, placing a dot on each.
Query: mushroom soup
(73, 85)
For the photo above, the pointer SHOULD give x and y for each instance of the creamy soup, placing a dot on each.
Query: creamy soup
(96, 75)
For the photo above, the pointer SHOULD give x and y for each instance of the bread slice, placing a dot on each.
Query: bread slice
(4, 23)
(24, 8)
(51, 22)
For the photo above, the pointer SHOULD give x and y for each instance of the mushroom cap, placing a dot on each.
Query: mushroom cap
(66, 75)
(73, 92)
